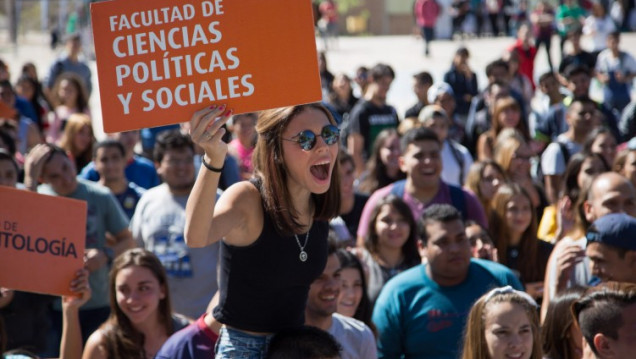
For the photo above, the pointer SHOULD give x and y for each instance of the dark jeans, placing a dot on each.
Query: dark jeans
(547, 42)
(90, 320)
(428, 33)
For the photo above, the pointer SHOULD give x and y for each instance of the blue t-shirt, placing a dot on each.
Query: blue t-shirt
(417, 318)
(129, 198)
(140, 170)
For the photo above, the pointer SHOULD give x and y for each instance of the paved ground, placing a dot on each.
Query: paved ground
(403, 53)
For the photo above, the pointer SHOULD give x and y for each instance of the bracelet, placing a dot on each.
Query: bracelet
(208, 166)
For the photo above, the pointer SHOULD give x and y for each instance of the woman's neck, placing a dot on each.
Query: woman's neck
(154, 335)
(515, 239)
(390, 257)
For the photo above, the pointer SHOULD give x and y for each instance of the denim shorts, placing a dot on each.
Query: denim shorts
(236, 344)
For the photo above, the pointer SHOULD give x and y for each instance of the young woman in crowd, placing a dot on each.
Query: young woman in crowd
(558, 220)
(562, 339)
(244, 142)
(78, 140)
(341, 96)
(502, 324)
(382, 166)
(507, 114)
(625, 163)
(272, 227)
(514, 227)
(391, 243)
(68, 96)
(514, 154)
(601, 141)
(141, 318)
(353, 300)
(483, 179)
(26, 87)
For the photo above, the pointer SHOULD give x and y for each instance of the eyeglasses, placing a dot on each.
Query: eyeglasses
(307, 138)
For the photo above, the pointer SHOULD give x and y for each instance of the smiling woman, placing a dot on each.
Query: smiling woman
(273, 228)
(141, 317)
(507, 321)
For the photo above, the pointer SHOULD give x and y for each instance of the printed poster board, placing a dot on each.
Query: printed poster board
(158, 61)
(42, 241)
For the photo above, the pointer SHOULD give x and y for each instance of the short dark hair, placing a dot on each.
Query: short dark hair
(423, 77)
(6, 137)
(601, 312)
(584, 100)
(546, 76)
(614, 34)
(109, 143)
(437, 213)
(381, 70)
(497, 63)
(6, 84)
(171, 140)
(415, 135)
(574, 70)
(344, 157)
(305, 342)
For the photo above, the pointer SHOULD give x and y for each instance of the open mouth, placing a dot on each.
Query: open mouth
(320, 170)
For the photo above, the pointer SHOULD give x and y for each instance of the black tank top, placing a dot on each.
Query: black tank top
(263, 287)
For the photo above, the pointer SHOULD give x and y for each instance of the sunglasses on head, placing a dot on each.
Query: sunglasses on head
(307, 138)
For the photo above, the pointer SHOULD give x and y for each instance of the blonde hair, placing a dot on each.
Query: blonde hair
(75, 123)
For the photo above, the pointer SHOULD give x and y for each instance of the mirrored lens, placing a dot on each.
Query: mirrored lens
(307, 140)
(330, 134)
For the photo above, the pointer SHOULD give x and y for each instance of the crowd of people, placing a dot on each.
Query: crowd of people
(484, 222)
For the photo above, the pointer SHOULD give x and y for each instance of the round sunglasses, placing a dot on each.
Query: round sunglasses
(307, 138)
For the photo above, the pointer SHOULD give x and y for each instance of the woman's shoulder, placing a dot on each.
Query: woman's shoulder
(94, 347)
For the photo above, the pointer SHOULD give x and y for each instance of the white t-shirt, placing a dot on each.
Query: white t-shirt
(354, 336)
(553, 159)
(606, 62)
(450, 166)
(598, 29)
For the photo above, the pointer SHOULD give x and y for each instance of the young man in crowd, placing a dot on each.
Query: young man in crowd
(139, 170)
(370, 116)
(109, 159)
(421, 160)
(422, 312)
(607, 319)
(581, 121)
(422, 81)
(355, 338)
(611, 248)
(159, 222)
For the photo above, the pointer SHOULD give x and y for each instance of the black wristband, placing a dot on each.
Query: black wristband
(109, 253)
(208, 166)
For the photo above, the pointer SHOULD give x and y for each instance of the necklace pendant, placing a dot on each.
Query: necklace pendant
(303, 256)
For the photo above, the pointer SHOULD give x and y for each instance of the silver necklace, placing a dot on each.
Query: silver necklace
(303, 254)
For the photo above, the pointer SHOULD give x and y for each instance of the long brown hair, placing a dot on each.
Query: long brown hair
(77, 82)
(528, 246)
(377, 176)
(120, 339)
(75, 123)
(557, 323)
(501, 105)
(476, 175)
(409, 248)
(269, 169)
(475, 346)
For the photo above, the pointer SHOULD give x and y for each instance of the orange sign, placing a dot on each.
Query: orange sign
(7, 112)
(41, 241)
(158, 61)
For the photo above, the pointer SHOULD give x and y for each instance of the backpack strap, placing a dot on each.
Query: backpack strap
(564, 151)
(459, 158)
(458, 200)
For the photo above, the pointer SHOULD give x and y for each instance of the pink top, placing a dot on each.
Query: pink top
(472, 206)
(426, 12)
(244, 158)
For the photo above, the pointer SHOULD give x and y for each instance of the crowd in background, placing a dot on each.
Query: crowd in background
(477, 203)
